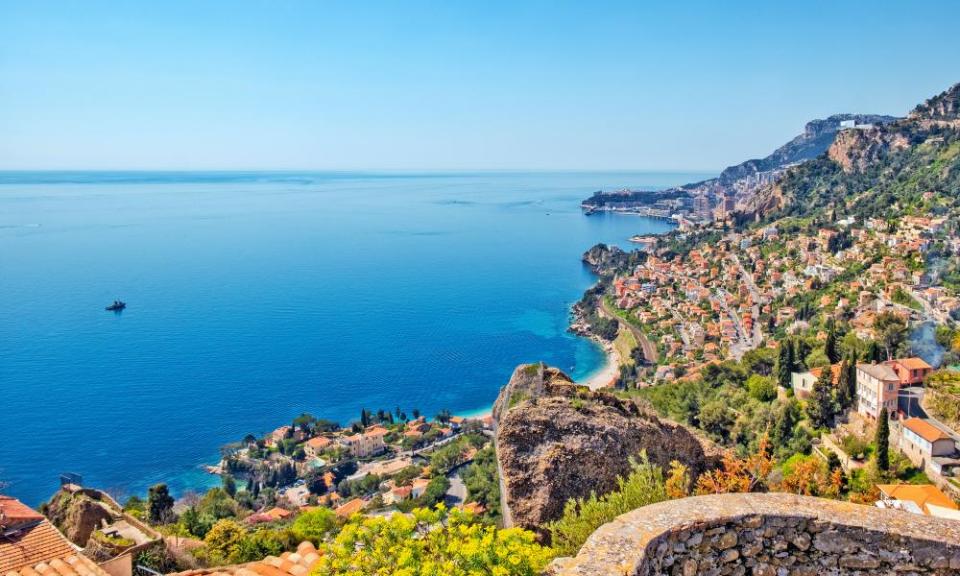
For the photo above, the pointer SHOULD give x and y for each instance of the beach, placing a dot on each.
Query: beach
(606, 376)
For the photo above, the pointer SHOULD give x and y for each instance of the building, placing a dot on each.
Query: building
(917, 498)
(350, 508)
(315, 446)
(802, 382)
(921, 441)
(910, 370)
(368, 443)
(31, 546)
(878, 386)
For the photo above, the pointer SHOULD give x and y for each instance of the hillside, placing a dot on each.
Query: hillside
(745, 178)
(909, 163)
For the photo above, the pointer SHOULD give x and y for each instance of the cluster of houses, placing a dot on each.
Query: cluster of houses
(882, 386)
(722, 299)
(381, 449)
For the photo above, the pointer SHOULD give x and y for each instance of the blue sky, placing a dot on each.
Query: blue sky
(450, 84)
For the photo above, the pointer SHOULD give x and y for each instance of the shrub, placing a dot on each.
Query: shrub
(431, 542)
(644, 485)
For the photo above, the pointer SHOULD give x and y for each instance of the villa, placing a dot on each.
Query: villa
(878, 387)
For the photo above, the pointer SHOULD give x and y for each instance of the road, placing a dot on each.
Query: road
(755, 296)
(649, 350)
(910, 401)
(457, 492)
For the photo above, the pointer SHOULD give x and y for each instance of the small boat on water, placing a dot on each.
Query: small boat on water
(117, 306)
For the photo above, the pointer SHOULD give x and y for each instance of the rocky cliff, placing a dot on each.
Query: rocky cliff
(744, 180)
(866, 170)
(557, 440)
(76, 514)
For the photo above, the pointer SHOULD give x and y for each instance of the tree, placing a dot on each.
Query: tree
(883, 441)
(846, 385)
(160, 504)
(784, 361)
(737, 475)
(820, 406)
(761, 388)
(892, 331)
(830, 346)
(229, 485)
(223, 540)
(314, 525)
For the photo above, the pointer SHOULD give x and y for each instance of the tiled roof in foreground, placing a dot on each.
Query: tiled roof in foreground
(75, 564)
(29, 544)
(297, 563)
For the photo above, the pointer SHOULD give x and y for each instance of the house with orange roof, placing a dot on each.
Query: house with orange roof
(910, 370)
(367, 443)
(31, 546)
(921, 441)
(924, 499)
(419, 487)
(350, 508)
(314, 446)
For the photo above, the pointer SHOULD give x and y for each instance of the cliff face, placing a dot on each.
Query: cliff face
(602, 257)
(855, 150)
(557, 440)
(817, 137)
(76, 515)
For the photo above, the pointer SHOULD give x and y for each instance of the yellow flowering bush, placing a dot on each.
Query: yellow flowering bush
(431, 543)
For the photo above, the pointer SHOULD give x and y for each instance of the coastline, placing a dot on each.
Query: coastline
(607, 375)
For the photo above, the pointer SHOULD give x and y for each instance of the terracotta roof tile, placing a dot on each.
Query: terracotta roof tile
(925, 430)
(31, 542)
(297, 563)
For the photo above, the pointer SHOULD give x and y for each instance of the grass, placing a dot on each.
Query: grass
(625, 343)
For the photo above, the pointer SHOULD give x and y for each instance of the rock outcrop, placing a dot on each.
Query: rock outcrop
(557, 440)
(76, 515)
(602, 257)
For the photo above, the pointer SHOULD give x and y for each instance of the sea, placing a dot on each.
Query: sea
(253, 297)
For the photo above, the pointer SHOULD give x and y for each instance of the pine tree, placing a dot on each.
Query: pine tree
(783, 365)
(820, 405)
(364, 417)
(883, 441)
(844, 398)
(830, 346)
(159, 504)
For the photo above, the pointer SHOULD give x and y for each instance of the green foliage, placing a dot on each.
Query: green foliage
(820, 408)
(431, 543)
(761, 388)
(160, 504)
(644, 485)
(882, 441)
(314, 525)
(482, 481)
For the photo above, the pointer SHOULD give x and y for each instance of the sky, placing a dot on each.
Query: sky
(448, 85)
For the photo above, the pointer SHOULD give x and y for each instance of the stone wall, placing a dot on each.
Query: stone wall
(767, 535)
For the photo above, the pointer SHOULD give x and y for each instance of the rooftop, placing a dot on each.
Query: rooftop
(879, 371)
(31, 545)
(297, 563)
(920, 494)
(925, 430)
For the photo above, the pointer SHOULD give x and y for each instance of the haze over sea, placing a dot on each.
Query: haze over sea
(253, 297)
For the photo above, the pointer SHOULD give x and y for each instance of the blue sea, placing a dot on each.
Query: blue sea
(254, 297)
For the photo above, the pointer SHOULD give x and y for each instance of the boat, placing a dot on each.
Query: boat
(117, 306)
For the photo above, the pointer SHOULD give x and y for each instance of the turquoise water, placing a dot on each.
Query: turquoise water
(255, 297)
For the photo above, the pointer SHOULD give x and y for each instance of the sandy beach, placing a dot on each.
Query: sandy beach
(606, 376)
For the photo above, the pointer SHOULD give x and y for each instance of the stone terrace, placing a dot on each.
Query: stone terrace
(768, 535)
